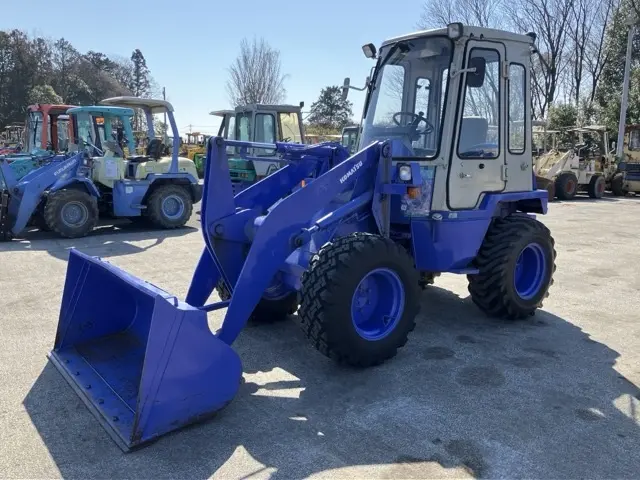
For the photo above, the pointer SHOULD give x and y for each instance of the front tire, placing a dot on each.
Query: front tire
(516, 263)
(275, 305)
(169, 206)
(566, 186)
(617, 185)
(597, 186)
(360, 298)
(71, 213)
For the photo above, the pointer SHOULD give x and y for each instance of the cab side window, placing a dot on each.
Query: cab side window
(479, 135)
(516, 126)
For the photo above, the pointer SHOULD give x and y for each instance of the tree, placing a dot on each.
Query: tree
(43, 94)
(480, 13)
(65, 63)
(141, 83)
(330, 111)
(256, 75)
(39, 70)
(609, 88)
(550, 19)
(561, 117)
(598, 56)
(140, 79)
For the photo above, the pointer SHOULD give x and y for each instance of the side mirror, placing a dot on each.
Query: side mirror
(475, 78)
(345, 88)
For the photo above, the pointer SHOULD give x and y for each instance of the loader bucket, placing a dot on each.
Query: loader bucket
(143, 362)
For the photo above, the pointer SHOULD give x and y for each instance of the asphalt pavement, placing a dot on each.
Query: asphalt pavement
(552, 397)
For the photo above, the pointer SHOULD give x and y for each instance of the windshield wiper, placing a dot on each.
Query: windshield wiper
(381, 63)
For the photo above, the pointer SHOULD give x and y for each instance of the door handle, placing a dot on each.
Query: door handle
(465, 175)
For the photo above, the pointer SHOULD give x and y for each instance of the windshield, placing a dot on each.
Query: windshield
(86, 127)
(243, 127)
(407, 101)
(34, 137)
(63, 133)
(349, 139)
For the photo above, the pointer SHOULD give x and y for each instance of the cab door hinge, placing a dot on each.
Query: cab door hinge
(503, 173)
(505, 69)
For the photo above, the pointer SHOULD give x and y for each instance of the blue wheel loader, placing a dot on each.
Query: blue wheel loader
(68, 194)
(443, 182)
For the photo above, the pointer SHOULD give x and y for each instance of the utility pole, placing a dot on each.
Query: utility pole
(631, 21)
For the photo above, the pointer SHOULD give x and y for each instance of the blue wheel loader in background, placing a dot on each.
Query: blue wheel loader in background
(69, 193)
(443, 182)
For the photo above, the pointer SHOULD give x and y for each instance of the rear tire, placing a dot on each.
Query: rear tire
(71, 213)
(516, 263)
(360, 298)
(597, 186)
(268, 310)
(566, 186)
(617, 185)
(169, 206)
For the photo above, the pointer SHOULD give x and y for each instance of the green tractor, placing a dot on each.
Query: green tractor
(350, 138)
(256, 123)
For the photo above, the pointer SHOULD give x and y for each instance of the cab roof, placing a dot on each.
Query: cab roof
(222, 113)
(49, 108)
(155, 105)
(102, 110)
(467, 31)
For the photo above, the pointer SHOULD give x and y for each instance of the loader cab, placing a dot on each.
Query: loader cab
(104, 133)
(350, 138)
(159, 157)
(457, 101)
(48, 128)
(264, 124)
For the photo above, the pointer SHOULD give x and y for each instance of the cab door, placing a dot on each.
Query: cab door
(478, 154)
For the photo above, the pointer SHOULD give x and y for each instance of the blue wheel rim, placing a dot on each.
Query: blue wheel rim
(377, 304)
(74, 214)
(173, 207)
(530, 272)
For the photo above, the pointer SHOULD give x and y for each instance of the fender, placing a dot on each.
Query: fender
(85, 182)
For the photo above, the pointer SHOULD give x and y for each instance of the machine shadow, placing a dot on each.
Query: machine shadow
(107, 240)
(534, 399)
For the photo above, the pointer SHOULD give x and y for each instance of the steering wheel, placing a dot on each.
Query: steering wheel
(114, 147)
(100, 152)
(415, 121)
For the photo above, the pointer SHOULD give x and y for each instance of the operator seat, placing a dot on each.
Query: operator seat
(154, 149)
(472, 132)
(153, 152)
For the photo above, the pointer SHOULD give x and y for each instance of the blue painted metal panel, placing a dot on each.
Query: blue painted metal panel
(145, 364)
(84, 182)
(127, 197)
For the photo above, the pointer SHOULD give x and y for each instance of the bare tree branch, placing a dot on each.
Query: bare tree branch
(480, 13)
(255, 76)
(549, 19)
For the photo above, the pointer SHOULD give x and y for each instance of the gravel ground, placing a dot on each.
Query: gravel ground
(554, 397)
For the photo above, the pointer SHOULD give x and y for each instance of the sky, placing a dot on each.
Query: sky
(189, 47)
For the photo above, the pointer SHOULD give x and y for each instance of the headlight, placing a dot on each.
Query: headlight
(404, 173)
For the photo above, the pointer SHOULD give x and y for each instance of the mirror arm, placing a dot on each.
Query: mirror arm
(455, 73)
